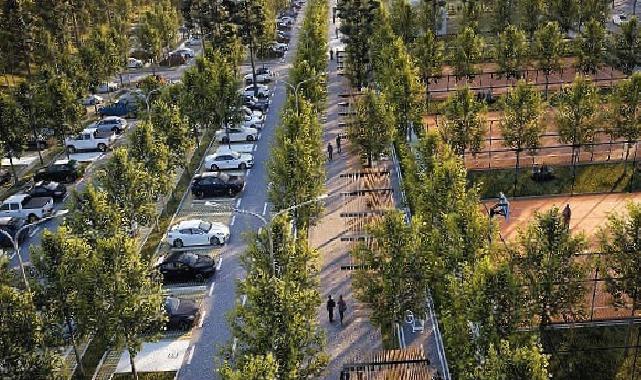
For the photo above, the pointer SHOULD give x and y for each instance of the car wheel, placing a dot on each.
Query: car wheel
(199, 194)
(32, 218)
(199, 277)
(214, 241)
(214, 167)
(178, 243)
(115, 130)
(69, 179)
(250, 138)
(231, 192)
(184, 325)
(40, 146)
(71, 149)
(242, 166)
(102, 147)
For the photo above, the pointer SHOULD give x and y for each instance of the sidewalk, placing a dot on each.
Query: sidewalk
(357, 337)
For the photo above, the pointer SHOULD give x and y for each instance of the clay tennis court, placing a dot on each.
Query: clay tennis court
(589, 212)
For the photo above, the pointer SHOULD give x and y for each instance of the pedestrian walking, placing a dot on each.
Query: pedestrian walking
(567, 214)
(336, 31)
(338, 143)
(330, 308)
(330, 150)
(342, 307)
(331, 54)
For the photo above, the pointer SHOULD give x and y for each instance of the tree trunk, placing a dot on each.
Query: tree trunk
(134, 373)
(516, 170)
(547, 82)
(574, 159)
(369, 159)
(76, 352)
(13, 168)
(251, 52)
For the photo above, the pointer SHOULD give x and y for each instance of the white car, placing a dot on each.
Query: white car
(92, 100)
(106, 87)
(133, 63)
(619, 19)
(280, 46)
(263, 91)
(252, 121)
(260, 78)
(132, 96)
(229, 160)
(197, 232)
(114, 124)
(286, 20)
(193, 41)
(185, 52)
(236, 134)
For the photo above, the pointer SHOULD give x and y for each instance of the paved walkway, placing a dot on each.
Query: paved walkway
(357, 337)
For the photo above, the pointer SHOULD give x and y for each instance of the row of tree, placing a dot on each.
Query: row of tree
(276, 330)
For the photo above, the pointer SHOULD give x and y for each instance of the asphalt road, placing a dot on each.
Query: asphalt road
(203, 357)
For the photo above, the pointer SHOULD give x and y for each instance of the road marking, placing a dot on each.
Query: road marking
(191, 354)
(211, 289)
(258, 137)
(243, 299)
(233, 220)
(34, 232)
(220, 263)
(233, 345)
(238, 202)
(264, 208)
(248, 171)
(254, 148)
(65, 198)
(202, 319)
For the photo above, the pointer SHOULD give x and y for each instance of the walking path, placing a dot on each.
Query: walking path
(357, 337)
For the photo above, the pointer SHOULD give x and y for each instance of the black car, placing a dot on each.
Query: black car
(216, 184)
(39, 143)
(65, 171)
(11, 226)
(255, 104)
(187, 266)
(182, 313)
(52, 189)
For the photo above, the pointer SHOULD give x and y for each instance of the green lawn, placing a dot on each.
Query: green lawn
(592, 178)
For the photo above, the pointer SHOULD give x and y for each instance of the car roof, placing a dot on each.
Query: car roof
(210, 175)
(194, 223)
(89, 130)
(62, 162)
(16, 198)
(111, 118)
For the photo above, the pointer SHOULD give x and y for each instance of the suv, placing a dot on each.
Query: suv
(110, 125)
(65, 171)
(11, 226)
(229, 160)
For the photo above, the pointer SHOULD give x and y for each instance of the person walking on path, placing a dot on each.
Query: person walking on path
(330, 150)
(338, 143)
(330, 308)
(331, 54)
(567, 214)
(342, 307)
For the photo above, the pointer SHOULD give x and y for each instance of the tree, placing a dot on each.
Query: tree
(521, 126)
(372, 129)
(92, 216)
(402, 19)
(131, 296)
(472, 10)
(530, 14)
(504, 12)
(564, 12)
(13, 125)
(626, 45)
(545, 255)
(100, 56)
(148, 148)
(429, 56)
(158, 28)
(575, 116)
(625, 110)
(173, 129)
(511, 51)
(465, 124)
(591, 47)
(357, 25)
(255, 367)
(466, 52)
(594, 9)
(505, 362)
(66, 264)
(548, 47)
(392, 280)
(250, 18)
(23, 352)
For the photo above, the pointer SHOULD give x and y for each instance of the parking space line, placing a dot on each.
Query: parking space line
(233, 220)
(243, 300)
(238, 202)
(254, 148)
(202, 319)
(211, 288)
(191, 354)
(34, 232)
(220, 264)
(233, 345)
(264, 208)
(248, 171)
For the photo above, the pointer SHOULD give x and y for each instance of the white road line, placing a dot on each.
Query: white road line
(243, 299)
(191, 354)
(254, 148)
(65, 198)
(233, 220)
(220, 264)
(34, 232)
(233, 345)
(264, 208)
(202, 319)
(248, 172)
(211, 289)
(238, 202)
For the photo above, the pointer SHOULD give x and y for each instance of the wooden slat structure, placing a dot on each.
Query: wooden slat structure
(407, 364)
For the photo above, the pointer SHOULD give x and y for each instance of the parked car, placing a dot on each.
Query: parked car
(106, 87)
(619, 19)
(229, 160)
(181, 313)
(88, 139)
(5, 176)
(109, 125)
(197, 232)
(193, 41)
(216, 184)
(65, 171)
(286, 20)
(27, 207)
(37, 143)
(185, 52)
(133, 63)
(52, 189)
(255, 104)
(263, 91)
(260, 78)
(283, 26)
(236, 134)
(92, 100)
(132, 97)
(283, 37)
(187, 266)
(11, 226)
(258, 115)
(122, 109)
(173, 59)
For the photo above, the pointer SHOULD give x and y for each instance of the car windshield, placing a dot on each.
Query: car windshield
(224, 177)
(171, 304)
(189, 258)
(205, 226)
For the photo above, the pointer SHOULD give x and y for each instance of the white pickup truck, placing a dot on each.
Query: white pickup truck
(89, 140)
(27, 207)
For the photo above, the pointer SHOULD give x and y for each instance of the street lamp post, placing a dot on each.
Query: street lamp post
(15, 241)
(147, 101)
(297, 87)
(269, 231)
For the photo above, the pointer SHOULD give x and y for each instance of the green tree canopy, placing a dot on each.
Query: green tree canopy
(511, 50)
(465, 125)
(466, 52)
(548, 47)
(373, 126)
(591, 47)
